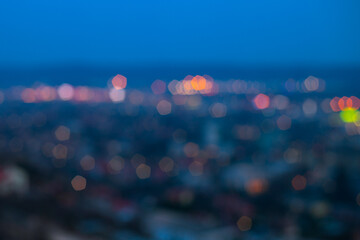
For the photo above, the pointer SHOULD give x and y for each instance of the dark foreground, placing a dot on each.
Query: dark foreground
(203, 168)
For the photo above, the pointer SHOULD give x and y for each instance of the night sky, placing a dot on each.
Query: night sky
(258, 32)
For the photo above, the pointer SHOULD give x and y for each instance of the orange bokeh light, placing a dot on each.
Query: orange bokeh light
(342, 103)
(339, 104)
(256, 186)
(198, 83)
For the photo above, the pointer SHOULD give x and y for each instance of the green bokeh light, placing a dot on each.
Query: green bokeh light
(349, 115)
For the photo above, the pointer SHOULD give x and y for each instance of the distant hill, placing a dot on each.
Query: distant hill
(339, 80)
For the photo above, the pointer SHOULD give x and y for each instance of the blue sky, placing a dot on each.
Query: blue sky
(257, 32)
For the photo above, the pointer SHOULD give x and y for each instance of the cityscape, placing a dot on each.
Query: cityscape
(187, 159)
(180, 120)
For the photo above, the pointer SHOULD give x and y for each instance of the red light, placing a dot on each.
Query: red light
(261, 101)
(119, 81)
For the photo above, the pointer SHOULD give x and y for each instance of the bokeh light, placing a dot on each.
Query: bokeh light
(117, 95)
(166, 164)
(299, 182)
(87, 163)
(244, 223)
(119, 82)
(62, 133)
(143, 171)
(198, 83)
(158, 87)
(261, 101)
(78, 183)
(164, 107)
(349, 115)
(311, 83)
(218, 110)
(116, 164)
(66, 92)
